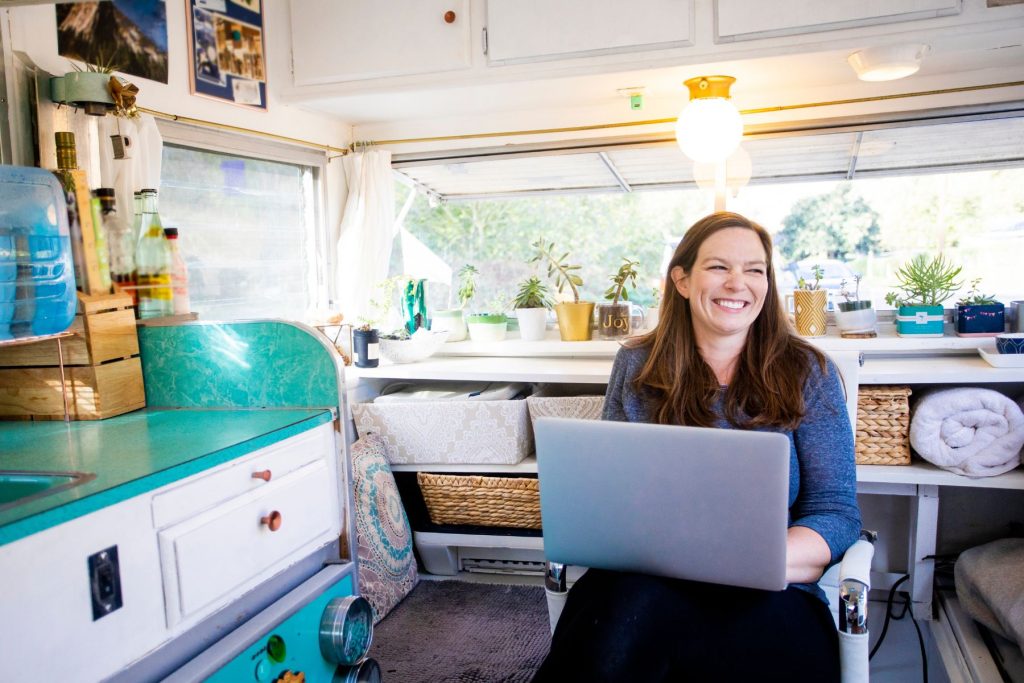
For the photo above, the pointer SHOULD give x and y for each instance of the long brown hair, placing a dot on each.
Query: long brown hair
(773, 366)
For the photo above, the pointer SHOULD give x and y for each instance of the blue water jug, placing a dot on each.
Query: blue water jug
(37, 279)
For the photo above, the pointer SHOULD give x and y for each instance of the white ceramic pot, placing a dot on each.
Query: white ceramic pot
(451, 321)
(532, 322)
(487, 328)
(856, 322)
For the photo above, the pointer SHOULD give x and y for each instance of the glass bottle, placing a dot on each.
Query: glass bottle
(153, 262)
(121, 243)
(179, 273)
(67, 161)
(100, 242)
(137, 217)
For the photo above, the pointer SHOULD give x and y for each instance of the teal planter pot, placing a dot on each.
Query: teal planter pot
(919, 321)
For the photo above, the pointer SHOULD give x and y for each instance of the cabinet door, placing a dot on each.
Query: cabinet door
(535, 30)
(351, 40)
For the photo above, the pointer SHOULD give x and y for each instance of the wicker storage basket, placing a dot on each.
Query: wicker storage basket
(482, 501)
(883, 425)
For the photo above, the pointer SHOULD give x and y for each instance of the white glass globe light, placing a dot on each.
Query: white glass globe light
(709, 129)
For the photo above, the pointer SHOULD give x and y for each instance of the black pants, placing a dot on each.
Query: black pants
(632, 627)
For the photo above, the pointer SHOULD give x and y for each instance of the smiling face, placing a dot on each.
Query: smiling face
(727, 285)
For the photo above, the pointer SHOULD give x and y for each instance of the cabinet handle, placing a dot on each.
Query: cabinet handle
(449, 17)
(272, 521)
(262, 474)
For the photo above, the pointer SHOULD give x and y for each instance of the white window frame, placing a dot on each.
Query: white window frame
(319, 254)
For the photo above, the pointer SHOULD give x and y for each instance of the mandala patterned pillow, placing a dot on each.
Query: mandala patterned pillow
(387, 568)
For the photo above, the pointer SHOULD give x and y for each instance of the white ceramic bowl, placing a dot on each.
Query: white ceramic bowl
(413, 349)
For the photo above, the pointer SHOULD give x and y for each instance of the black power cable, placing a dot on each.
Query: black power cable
(890, 615)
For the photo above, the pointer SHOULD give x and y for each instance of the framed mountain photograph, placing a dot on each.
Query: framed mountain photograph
(128, 36)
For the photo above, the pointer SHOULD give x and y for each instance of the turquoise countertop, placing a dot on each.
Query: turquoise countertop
(132, 454)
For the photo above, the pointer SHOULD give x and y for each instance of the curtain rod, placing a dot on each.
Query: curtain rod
(649, 122)
(249, 131)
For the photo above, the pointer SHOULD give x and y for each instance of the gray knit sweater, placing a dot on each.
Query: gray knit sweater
(822, 474)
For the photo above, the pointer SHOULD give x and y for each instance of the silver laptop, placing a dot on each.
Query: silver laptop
(684, 502)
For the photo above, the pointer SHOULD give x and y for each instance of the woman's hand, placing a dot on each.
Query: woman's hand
(807, 555)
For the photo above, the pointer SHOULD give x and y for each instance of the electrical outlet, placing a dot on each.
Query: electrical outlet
(105, 582)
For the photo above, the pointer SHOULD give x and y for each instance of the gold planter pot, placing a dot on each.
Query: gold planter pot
(809, 312)
(574, 320)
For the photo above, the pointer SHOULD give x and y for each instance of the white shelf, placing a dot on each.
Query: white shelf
(917, 473)
(526, 466)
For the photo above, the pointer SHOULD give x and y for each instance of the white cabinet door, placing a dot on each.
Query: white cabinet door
(350, 40)
(745, 20)
(535, 30)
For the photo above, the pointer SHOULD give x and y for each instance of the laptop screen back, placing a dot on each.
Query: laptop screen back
(685, 502)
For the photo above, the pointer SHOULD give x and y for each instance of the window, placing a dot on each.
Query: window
(855, 197)
(249, 225)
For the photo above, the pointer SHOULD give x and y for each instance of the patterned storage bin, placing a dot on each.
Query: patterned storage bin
(449, 432)
(883, 425)
(482, 501)
(581, 407)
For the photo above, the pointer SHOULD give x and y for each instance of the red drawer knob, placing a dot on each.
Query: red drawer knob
(272, 521)
(262, 474)
(449, 17)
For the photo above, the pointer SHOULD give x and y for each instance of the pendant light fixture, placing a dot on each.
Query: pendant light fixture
(887, 62)
(709, 127)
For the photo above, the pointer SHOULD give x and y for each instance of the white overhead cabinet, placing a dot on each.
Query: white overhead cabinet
(746, 20)
(536, 30)
(336, 41)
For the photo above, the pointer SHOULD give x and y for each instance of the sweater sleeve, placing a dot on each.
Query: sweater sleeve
(827, 500)
(613, 395)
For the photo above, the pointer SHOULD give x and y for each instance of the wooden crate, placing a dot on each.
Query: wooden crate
(102, 369)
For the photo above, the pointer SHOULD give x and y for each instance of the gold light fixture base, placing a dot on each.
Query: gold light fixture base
(709, 86)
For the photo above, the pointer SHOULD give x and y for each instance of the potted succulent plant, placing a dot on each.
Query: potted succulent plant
(532, 303)
(490, 325)
(613, 319)
(924, 284)
(979, 314)
(452, 319)
(854, 316)
(573, 316)
(366, 337)
(809, 302)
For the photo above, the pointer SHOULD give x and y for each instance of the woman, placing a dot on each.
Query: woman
(723, 356)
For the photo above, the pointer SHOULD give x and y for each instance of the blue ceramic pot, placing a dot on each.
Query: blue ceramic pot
(980, 318)
(924, 321)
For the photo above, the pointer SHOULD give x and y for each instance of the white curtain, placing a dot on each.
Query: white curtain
(140, 169)
(367, 230)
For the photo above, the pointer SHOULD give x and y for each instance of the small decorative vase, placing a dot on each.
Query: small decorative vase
(450, 320)
(574, 320)
(919, 321)
(856, 319)
(809, 311)
(980, 319)
(365, 348)
(613, 320)
(487, 328)
(531, 323)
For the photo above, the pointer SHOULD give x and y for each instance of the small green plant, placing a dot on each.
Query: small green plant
(380, 305)
(656, 297)
(924, 282)
(846, 294)
(975, 297)
(104, 63)
(626, 275)
(559, 268)
(467, 284)
(532, 294)
(818, 272)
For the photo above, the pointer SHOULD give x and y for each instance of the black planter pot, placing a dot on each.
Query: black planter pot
(980, 318)
(365, 348)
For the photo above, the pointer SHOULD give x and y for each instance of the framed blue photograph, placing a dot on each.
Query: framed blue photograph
(226, 45)
(129, 36)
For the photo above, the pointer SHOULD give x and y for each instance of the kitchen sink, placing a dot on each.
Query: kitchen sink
(17, 487)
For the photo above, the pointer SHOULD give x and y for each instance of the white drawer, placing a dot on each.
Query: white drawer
(204, 491)
(220, 553)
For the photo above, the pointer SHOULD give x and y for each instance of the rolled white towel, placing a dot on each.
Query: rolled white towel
(970, 431)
